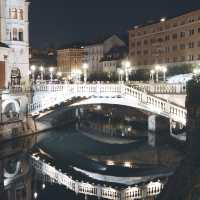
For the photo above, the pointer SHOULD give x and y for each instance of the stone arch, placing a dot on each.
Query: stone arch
(10, 106)
(11, 169)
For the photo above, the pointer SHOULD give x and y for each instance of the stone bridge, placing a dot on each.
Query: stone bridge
(47, 96)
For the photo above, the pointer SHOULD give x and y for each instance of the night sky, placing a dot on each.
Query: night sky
(56, 22)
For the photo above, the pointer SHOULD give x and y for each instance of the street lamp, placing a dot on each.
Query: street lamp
(33, 68)
(157, 69)
(196, 71)
(85, 68)
(164, 70)
(51, 70)
(121, 73)
(59, 74)
(152, 72)
(127, 67)
(42, 72)
(76, 73)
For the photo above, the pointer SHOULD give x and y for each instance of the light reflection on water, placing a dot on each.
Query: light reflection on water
(97, 143)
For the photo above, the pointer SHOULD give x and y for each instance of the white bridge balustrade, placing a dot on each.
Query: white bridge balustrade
(161, 88)
(46, 96)
(152, 189)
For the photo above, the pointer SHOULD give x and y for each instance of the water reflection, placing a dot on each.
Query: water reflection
(111, 144)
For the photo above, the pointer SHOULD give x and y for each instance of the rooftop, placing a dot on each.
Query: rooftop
(163, 19)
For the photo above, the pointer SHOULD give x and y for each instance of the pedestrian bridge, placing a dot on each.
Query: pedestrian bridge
(48, 95)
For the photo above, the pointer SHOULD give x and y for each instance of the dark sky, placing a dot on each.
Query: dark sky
(64, 21)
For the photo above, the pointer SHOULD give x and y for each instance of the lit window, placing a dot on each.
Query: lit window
(13, 13)
(21, 34)
(14, 34)
(21, 14)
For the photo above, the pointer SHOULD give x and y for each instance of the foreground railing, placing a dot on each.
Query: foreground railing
(151, 189)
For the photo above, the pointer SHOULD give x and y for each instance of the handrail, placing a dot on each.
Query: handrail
(47, 96)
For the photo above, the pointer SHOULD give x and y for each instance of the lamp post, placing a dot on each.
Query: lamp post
(51, 70)
(152, 72)
(164, 70)
(157, 69)
(196, 71)
(33, 68)
(59, 74)
(78, 74)
(121, 73)
(85, 68)
(127, 66)
(42, 73)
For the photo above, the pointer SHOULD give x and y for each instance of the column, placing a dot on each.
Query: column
(158, 124)
(1, 180)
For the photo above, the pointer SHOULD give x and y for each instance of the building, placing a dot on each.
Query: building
(43, 57)
(70, 59)
(173, 41)
(95, 51)
(112, 60)
(14, 34)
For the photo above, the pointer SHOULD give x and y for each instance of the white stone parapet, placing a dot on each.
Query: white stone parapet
(161, 88)
(47, 96)
(151, 189)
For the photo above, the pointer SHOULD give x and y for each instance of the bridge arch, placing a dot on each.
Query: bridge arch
(10, 105)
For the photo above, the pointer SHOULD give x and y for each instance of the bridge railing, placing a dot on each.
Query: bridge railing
(161, 88)
(50, 95)
(101, 191)
(174, 111)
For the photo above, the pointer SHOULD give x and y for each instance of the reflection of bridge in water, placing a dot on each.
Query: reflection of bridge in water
(50, 173)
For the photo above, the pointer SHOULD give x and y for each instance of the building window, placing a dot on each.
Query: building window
(146, 52)
(160, 40)
(191, 32)
(132, 35)
(191, 20)
(198, 30)
(198, 57)
(174, 48)
(21, 14)
(132, 53)
(8, 34)
(182, 34)
(13, 13)
(138, 43)
(191, 57)
(174, 36)
(145, 42)
(198, 43)
(182, 23)
(152, 41)
(167, 49)
(182, 46)
(167, 37)
(21, 35)
(191, 45)
(133, 44)
(14, 34)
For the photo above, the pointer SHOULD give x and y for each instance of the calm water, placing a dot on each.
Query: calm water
(105, 143)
